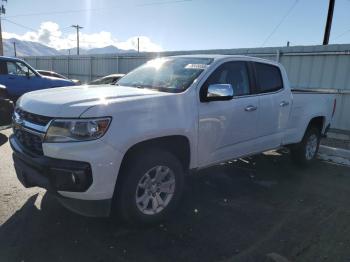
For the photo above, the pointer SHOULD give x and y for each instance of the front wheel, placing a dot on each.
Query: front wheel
(306, 151)
(150, 187)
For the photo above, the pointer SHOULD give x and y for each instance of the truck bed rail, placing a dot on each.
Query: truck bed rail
(320, 90)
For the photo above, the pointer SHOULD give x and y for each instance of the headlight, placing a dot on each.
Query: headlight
(73, 130)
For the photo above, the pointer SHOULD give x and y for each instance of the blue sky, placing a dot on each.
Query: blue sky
(176, 25)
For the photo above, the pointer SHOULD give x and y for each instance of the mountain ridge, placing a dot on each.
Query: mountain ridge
(30, 48)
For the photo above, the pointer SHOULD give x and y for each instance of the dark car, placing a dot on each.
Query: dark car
(18, 78)
(110, 79)
(54, 74)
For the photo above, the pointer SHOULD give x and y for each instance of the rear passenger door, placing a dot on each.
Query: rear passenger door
(274, 105)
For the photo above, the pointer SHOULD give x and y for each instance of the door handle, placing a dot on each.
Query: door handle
(284, 103)
(250, 108)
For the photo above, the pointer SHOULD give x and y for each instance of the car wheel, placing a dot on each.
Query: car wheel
(150, 187)
(6, 111)
(306, 151)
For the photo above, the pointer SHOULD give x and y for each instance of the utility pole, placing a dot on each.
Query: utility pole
(2, 12)
(77, 27)
(327, 30)
(138, 45)
(14, 48)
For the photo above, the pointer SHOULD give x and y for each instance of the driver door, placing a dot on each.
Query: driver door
(18, 78)
(228, 129)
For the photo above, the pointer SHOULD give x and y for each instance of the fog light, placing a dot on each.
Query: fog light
(71, 180)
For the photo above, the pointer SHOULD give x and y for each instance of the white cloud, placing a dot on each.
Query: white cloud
(51, 35)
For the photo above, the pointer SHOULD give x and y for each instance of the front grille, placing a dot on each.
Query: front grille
(33, 118)
(31, 142)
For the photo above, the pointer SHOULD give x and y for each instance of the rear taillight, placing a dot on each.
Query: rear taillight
(334, 106)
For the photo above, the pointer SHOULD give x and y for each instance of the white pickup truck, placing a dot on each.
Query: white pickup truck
(128, 146)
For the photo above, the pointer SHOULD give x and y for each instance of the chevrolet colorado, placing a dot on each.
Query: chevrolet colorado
(128, 146)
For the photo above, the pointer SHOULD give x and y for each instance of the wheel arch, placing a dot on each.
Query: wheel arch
(179, 145)
(318, 122)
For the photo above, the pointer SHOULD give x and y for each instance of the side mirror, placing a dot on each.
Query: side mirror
(219, 92)
(27, 74)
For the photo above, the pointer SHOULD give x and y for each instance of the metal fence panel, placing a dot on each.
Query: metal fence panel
(307, 66)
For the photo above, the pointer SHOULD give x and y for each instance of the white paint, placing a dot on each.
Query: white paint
(216, 131)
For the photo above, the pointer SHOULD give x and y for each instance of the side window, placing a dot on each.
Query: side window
(234, 73)
(11, 68)
(3, 68)
(23, 69)
(269, 78)
(18, 68)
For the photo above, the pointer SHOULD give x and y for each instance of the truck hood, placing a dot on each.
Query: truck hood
(72, 101)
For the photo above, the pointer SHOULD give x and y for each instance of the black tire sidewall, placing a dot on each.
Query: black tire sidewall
(135, 168)
(299, 151)
(6, 110)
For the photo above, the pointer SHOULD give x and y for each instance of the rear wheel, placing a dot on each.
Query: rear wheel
(306, 151)
(150, 187)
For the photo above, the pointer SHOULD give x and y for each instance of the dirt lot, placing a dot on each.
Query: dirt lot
(240, 211)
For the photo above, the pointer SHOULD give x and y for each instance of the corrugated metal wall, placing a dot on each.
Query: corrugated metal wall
(307, 66)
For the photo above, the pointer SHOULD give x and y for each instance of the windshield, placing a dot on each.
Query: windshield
(166, 74)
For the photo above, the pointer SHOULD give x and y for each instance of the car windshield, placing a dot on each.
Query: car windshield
(166, 74)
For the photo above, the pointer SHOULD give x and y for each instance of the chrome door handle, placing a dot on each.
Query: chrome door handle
(284, 103)
(250, 108)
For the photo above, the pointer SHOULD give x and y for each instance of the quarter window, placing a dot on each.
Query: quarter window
(268, 77)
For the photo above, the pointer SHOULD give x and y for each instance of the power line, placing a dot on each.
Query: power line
(342, 34)
(20, 25)
(59, 12)
(165, 2)
(64, 12)
(280, 22)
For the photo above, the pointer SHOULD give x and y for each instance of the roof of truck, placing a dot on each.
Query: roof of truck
(219, 57)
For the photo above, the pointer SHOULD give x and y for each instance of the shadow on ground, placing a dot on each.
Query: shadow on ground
(238, 211)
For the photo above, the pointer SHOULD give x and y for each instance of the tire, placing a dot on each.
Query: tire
(6, 110)
(305, 152)
(135, 184)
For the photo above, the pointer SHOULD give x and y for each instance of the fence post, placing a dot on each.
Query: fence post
(90, 73)
(118, 64)
(68, 73)
(278, 55)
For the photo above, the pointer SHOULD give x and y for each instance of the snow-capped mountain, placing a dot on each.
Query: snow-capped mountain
(28, 48)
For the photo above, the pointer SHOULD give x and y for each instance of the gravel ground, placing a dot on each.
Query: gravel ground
(238, 211)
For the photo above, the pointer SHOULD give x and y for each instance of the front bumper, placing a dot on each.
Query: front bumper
(58, 175)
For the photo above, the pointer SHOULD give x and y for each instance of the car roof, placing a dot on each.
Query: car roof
(8, 58)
